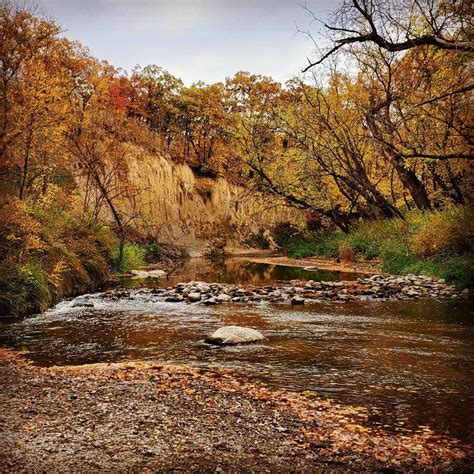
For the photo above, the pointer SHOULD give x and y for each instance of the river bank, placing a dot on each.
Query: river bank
(327, 264)
(137, 416)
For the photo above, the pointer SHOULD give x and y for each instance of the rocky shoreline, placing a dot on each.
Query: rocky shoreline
(146, 417)
(297, 292)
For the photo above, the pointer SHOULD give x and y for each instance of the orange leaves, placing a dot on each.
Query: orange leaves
(119, 93)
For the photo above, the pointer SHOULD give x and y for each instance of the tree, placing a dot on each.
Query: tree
(204, 121)
(154, 96)
(400, 26)
(33, 86)
(98, 142)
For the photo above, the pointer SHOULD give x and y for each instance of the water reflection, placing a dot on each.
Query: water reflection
(240, 270)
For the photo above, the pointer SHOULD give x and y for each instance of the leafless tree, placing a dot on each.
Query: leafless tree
(399, 25)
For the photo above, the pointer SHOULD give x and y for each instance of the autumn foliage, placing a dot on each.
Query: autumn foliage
(392, 137)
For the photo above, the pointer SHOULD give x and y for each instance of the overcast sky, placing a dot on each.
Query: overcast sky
(195, 40)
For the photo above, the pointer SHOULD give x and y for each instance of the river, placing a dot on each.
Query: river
(410, 362)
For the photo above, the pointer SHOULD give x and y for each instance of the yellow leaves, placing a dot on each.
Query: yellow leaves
(56, 274)
(34, 243)
(12, 237)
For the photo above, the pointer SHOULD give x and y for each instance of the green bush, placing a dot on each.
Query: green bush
(457, 271)
(152, 252)
(397, 258)
(133, 257)
(364, 246)
(320, 246)
(429, 243)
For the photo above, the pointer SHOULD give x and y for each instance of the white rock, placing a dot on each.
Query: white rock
(203, 287)
(194, 296)
(148, 274)
(229, 335)
(223, 297)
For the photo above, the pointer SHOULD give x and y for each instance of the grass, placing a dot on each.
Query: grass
(25, 290)
(434, 244)
(48, 252)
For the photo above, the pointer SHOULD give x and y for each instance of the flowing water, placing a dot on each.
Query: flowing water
(410, 362)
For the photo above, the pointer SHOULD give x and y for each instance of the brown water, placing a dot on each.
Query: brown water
(239, 270)
(410, 362)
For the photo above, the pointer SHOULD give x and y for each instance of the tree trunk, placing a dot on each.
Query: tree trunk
(116, 216)
(414, 186)
(24, 176)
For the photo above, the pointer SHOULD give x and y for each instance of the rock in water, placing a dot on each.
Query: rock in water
(194, 296)
(230, 335)
(224, 298)
(297, 300)
(147, 273)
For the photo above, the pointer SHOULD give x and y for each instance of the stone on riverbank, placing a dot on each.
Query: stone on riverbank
(194, 296)
(231, 335)
(147, 273)
(224, 298)
(297, 292)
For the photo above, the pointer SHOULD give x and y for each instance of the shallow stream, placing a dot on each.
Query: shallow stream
(410, 362)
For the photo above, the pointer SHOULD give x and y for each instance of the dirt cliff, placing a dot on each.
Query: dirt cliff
(175, 205)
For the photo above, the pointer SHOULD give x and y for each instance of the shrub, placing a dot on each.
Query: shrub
(363, 244)
(430, 243)
(48, 252)
(346, 251)
(458, 271)
(446, 233)
(216, 254)
(173, 252)
(396, 258)
(320, 246)
(152, 252)
(133, 257)
(286, 232)
(257, 240)
(24, 289)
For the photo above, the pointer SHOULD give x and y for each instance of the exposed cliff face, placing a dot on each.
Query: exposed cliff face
(176, 206)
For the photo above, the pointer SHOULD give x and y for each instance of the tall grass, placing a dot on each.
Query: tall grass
(432, 243)
(48, 252)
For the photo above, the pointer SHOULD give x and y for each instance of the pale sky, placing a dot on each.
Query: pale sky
(195, 40)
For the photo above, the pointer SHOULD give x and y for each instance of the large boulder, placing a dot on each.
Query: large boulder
(230, 335)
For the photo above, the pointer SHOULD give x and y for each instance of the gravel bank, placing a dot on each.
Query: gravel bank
(135, 417)
(297, 292)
